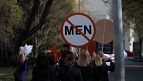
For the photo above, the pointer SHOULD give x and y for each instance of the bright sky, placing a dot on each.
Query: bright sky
(97, 8)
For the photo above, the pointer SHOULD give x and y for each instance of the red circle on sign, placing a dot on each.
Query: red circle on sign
(66, 20)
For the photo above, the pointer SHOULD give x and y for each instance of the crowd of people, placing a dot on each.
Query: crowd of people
(70, 67)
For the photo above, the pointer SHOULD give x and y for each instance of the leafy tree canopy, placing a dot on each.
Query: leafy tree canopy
(134, 13)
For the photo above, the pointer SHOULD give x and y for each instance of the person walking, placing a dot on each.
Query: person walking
(69, 72)
(84, 64)
(101, 68)
(40, 71)
(46, 68)
(22, 70)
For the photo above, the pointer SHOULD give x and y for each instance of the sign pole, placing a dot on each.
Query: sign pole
(104, 28)
(119, 55)
(79, 5)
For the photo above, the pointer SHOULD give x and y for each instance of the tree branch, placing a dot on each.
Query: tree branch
(29, 33)
(33, 14)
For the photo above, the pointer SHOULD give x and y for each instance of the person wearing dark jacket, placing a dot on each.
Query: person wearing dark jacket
(22, 69)
(84, 64)
(65, 49)
(101, 68)
(53, 67)
(69, 72)
(64, 53)
(45, 68)
(40, 71)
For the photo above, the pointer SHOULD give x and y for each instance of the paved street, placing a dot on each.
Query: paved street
(133, 71)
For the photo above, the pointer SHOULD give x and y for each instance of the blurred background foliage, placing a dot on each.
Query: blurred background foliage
(35, 22)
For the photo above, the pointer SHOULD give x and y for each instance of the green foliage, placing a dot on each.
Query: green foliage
(25, 6)
(14, 24)
(15, 14)
(51, 32)
(11, 12)
(133, 11)
(10, 17)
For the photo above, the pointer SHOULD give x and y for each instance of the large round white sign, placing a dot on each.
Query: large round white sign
(78, 29)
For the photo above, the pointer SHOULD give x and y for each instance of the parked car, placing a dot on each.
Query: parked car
(129, 53)
(112, 56)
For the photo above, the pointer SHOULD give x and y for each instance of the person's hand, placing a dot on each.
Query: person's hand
(82, 50)
(101, 54)
(22, 57)
(113, 60)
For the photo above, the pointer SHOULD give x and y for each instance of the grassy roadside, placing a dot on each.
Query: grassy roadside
(6, 74)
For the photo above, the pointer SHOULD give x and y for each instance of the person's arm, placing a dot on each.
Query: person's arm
(23, 63)
(110, 67)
